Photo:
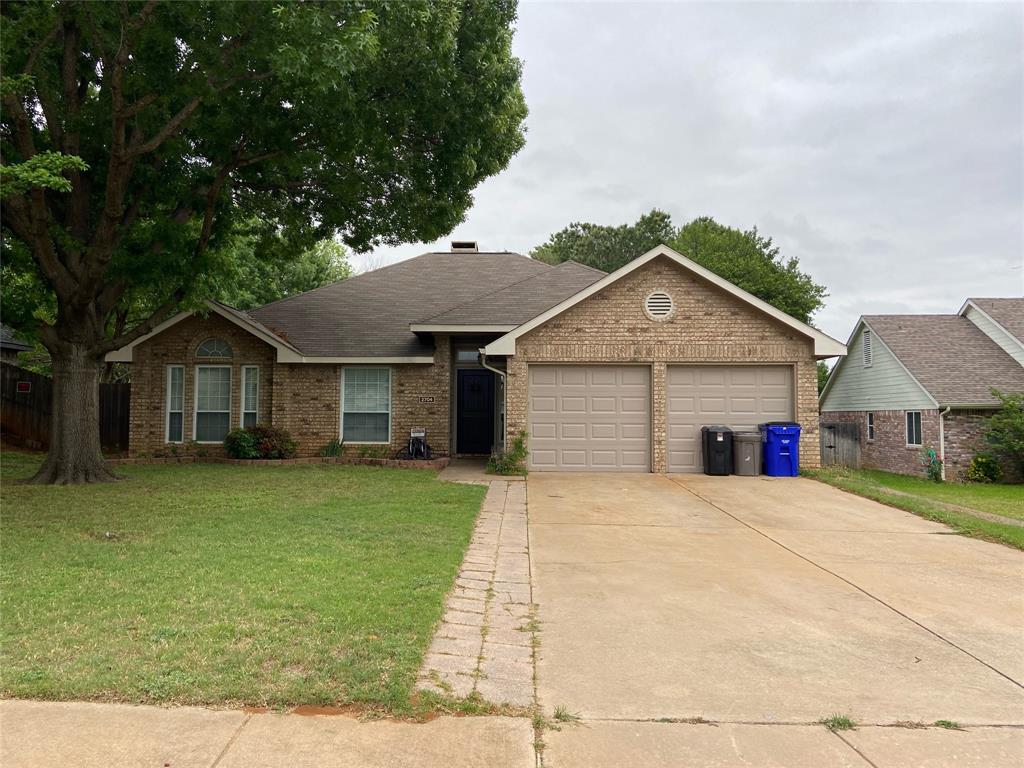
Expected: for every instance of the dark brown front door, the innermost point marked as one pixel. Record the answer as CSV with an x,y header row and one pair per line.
x,y
474,432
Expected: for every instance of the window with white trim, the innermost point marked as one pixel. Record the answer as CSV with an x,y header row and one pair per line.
x,y
866,344
250,395
175,403
913,428
871,425
366,405
214,348
213,403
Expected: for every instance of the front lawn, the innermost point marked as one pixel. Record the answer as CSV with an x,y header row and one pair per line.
x,y
233,585
958,505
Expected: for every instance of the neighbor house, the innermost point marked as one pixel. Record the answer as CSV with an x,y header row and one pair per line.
x,y
917,381
11,345
602,371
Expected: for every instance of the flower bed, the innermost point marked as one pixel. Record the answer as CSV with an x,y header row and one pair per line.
x,y
439,463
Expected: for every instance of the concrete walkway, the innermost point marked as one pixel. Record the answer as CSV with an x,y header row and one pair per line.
x,y
61,735
485,642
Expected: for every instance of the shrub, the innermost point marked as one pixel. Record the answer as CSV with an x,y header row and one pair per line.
x,y
333,449
932,464
260,442
511,461
1006,428
983,469
240,444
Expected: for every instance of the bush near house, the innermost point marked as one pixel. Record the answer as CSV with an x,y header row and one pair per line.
x,y
511,461
1006,428
260,442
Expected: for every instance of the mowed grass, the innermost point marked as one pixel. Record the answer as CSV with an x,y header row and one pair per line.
x,y
227,585
931,500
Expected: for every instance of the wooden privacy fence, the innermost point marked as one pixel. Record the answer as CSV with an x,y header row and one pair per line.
x,y
25,401
840,444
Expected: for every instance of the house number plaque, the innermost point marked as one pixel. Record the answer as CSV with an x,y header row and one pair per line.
x,y
426,398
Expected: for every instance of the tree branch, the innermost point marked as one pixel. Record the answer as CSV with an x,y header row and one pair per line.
x,y
162,313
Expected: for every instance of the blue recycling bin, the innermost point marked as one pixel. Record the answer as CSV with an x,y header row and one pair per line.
x,y
781,454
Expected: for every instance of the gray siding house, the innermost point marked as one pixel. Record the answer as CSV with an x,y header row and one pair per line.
x,y
917,381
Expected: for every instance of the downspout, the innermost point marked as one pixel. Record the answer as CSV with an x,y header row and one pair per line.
x,y
942,440
504,393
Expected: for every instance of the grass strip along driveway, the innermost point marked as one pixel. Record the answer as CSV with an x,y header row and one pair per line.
x,y
970,508
227,585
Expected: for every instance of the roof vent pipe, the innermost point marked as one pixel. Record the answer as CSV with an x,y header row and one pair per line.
x,y
464,246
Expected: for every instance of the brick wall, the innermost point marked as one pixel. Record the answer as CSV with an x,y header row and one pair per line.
x,y
708,325
177,346
304,399
889,450
965,438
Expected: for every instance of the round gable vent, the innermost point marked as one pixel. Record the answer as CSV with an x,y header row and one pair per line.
x,y
658,305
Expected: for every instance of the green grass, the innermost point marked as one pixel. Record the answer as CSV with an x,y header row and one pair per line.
x,y
839,723
227,585
926,499
951,725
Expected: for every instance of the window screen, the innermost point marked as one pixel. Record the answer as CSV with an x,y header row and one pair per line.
x,y
213,403
366,401
250,395
913,427
871,426
175,403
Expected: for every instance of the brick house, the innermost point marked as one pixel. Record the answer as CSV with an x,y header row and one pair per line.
x,y
917,381
602,371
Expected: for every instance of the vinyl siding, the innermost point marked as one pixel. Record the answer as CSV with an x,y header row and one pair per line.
x,y
1009,344
884,386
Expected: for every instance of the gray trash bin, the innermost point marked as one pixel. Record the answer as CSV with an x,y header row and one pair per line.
x,y
746,453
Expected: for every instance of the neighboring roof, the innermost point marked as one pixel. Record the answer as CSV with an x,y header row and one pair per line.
x,y
8,340
824,345
1009,313
370,314
948,355
515,304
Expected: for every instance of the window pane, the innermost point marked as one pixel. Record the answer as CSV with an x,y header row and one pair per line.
x,y
366,428
249,419
211,427
213,387
213,348
174,427
467,355
176,388
251,385
367,390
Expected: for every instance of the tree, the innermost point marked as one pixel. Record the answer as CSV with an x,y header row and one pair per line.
x,y
1005,429
603,247
745,258
823,374
135,137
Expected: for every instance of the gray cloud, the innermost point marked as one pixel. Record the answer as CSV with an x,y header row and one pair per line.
x,y
882,145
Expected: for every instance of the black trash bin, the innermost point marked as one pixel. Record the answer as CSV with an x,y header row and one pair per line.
x,y
716,448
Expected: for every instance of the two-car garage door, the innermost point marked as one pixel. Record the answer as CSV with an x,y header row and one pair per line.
x,y
598,417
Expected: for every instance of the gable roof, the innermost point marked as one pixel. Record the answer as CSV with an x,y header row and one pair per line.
x,y
369,315
9,340
514,304
949,356
1007,313
824,345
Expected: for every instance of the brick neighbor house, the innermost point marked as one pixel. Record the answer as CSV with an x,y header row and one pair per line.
x,y
914,381
602,371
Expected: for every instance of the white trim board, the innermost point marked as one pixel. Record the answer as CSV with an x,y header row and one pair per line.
x,y
824,345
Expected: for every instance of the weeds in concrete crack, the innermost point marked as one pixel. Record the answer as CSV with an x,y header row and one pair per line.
x,y
950,725
563,715
839,723
910,724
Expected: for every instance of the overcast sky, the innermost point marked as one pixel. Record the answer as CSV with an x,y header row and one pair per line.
x,y
879,144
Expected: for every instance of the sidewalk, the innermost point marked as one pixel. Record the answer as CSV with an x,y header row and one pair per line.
x,y
37,734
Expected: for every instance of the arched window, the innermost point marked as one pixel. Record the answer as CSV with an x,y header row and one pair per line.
x,y
214,348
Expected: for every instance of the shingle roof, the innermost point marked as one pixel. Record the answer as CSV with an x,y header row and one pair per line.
x,y
369,315
9,340
515,304
950,356
1009,313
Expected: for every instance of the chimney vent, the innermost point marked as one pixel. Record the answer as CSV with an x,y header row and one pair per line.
x,y
464,246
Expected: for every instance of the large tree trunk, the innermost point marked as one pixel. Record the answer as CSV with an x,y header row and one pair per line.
x,y
75,455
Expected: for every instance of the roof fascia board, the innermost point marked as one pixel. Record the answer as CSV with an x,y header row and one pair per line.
x,y
396,360
895,357
988,317
824,345
461,328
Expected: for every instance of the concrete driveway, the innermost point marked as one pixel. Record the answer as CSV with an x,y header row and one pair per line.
x,y
763,605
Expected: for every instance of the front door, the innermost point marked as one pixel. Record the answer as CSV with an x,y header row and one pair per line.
x,y
474,431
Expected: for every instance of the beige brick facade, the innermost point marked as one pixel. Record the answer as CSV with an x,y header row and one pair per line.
x,y
707,326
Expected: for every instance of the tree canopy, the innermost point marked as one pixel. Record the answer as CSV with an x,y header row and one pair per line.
x,y
746,258
138,138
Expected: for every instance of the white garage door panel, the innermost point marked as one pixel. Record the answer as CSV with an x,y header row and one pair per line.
x,y
738,396
590,418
